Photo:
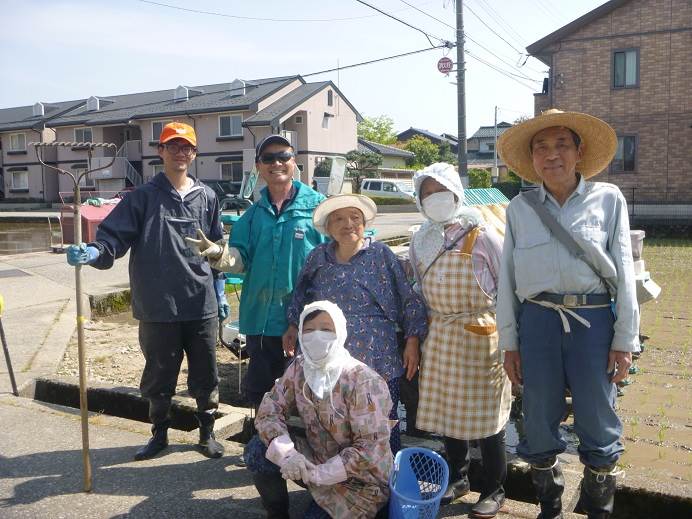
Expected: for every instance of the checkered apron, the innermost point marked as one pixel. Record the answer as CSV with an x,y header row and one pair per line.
x,y
464,392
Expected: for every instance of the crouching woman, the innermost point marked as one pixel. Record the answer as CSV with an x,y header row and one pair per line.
x,y
345,458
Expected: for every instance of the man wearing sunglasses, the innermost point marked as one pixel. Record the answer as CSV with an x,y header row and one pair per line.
x,y
269,243
175,294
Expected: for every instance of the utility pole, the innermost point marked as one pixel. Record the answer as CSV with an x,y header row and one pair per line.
x,y
461,96
495,174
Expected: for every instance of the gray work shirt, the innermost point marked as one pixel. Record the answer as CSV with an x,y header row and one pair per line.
x,y
534,261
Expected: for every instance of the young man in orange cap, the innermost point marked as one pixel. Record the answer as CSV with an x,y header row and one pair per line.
x,y
567,315
176,296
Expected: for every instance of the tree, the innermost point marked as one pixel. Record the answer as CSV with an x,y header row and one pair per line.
x,y
445,153
521,119
424,150
377,129
479,178
359,164
323,169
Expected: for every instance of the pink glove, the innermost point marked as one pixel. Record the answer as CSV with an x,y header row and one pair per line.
x,y
329,473
282,452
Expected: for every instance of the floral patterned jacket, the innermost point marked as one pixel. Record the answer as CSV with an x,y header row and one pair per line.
x,y
353,423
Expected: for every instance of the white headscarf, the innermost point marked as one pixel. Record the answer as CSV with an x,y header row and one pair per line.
x,y
322,375
430,238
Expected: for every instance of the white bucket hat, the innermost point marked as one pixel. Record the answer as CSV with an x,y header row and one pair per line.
x,y
331,204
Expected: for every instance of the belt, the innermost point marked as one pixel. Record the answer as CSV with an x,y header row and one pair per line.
x,y
562,304
573,300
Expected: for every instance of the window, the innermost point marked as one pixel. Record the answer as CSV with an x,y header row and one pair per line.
x,y
156,169
374,186
86,181
82,135
626,155
491,146
157,128
230,126
386,186
17,142
19,180
232,171
299,119
300,167
626,68
325,120
330,98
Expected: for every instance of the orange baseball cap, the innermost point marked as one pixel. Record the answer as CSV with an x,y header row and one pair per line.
x,y
178,131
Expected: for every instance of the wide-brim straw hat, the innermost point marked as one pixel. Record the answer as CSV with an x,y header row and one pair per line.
x,y
598,139
331,204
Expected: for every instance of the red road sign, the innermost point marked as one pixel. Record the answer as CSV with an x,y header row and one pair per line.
x,y
445,65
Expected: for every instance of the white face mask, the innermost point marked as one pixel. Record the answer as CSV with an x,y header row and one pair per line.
x,y
440,207
316,344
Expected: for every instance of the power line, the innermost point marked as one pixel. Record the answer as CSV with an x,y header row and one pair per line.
x,y
467,35
499,19
491,29
445,45
428,15
545,11
254,18
501,71
549,9
498,57
428,36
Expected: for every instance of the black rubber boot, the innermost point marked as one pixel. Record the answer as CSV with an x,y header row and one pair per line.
x,y
549,484
273,493
494,475
207,443
597,492
458,461
156,444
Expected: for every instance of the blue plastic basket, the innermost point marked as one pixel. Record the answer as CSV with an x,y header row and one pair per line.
x,y
417,483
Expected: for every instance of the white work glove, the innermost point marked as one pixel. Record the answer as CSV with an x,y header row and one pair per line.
x,y
293,465
329,473
296,467
205,247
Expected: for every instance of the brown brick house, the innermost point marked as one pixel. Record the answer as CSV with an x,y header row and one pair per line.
x,y
629,62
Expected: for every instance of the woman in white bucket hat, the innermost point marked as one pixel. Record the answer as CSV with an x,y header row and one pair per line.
x,y
366,280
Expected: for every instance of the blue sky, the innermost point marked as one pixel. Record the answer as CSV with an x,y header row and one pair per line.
x,y
55,50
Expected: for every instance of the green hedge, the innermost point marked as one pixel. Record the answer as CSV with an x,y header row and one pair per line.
x,y
509,189
380,200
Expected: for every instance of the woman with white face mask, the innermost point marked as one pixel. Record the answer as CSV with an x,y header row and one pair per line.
x,y
366,280
464,392
345,458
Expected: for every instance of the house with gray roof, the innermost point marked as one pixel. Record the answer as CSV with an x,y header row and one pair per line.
x,y
229,119
432,137
481,149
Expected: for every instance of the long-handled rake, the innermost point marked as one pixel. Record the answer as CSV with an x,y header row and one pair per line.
x,y
8,361
77,205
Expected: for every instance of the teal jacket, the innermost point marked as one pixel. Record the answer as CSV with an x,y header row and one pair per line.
x,y
274,249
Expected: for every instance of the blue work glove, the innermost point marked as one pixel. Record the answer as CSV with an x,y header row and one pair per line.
x,y
224,307
82,254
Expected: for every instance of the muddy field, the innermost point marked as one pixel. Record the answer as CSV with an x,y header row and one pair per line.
x,y
656,408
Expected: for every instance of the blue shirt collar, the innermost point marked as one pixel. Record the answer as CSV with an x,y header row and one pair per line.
x,y
581,185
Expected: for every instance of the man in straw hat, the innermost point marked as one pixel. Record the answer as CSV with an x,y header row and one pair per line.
x,y
567,315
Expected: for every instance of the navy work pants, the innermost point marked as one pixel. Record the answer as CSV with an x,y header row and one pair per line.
x,y
552,361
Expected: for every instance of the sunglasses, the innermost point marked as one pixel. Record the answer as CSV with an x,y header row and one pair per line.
x,y
271,158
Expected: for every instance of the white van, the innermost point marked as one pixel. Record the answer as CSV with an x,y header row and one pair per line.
x,y
387,188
